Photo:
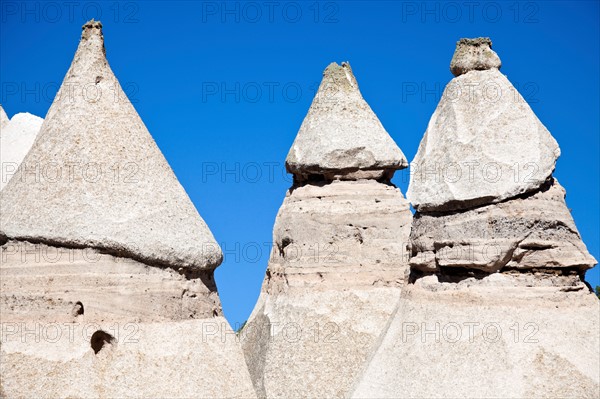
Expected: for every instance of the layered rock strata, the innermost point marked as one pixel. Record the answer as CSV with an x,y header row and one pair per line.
x,y
107,286
338,260
496,305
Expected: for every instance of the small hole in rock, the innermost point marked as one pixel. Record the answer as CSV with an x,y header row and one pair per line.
x,y
99,339
78,309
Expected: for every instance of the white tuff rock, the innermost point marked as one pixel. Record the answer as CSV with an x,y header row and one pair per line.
x,y
503,336
483,145
336,270
341,137
496,305
16,138
110,257
80,323
339,256
101,181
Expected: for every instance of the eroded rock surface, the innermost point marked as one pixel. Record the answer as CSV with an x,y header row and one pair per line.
x,y
501,336
339,256
80,323
474,55
334,277
483,145
95,177
341,137
107,286
536,231
496,305
476,222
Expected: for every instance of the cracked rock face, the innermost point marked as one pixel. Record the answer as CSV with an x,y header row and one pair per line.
x,y
523,233
483,145
341,137
95,177
16,138
474,55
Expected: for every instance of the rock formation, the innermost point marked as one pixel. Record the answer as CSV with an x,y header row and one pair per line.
x,y
95,177
341,137
16,138
474,55
496,305
461,163
107,285
338,259
3,119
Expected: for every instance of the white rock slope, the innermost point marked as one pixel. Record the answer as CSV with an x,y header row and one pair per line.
x,y
16,138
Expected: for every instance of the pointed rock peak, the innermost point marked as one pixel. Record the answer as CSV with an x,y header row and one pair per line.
x,y
340,77
3,118
474,55
92,37
91,28
95,178
341,137
482,145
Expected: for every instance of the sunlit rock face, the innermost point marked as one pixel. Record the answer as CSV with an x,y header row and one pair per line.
x,y
496,305
339,256
341,137
16,138
95,177
107,286
482,183
514,335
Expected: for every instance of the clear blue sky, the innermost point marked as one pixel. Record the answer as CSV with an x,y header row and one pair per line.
x,y
224,89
